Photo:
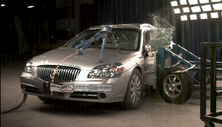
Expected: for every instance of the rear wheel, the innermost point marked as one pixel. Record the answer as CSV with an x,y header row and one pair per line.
x,y
134,94
175,88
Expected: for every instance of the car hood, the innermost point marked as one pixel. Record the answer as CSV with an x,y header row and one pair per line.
x,y
68,56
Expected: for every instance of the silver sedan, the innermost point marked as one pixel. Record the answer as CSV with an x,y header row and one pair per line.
x,y
66,74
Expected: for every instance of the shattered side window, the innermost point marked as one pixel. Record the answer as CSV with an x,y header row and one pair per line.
x,y
157,38
148,35
163,35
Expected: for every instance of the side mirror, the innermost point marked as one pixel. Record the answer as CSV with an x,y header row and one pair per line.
x,y
147,48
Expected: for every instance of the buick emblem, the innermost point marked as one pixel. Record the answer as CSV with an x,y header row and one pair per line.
x,y
50,75
55,76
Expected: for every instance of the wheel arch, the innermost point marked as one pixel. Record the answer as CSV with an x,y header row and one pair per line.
x,y
139,69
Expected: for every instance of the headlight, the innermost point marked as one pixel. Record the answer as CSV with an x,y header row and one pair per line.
x,y
107,71
28,66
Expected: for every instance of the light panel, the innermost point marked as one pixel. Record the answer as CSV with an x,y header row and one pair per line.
x,y
177,11
193,2
215,0
217,6
186,10
183,18
174,3
206,8
203,16
195,9
214,15
31,6
183,2
193,17
204,1
2,5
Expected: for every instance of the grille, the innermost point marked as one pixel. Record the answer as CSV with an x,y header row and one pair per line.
x,y
63,74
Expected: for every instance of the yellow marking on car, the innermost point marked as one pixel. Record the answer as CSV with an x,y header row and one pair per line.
x,y
53,74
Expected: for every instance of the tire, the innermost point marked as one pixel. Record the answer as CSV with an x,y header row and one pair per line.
x,y
209,124
134,93
175,88
45,100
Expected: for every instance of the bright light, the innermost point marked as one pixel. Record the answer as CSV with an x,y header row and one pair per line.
x,y
203,16
217,6
192,2
193,17
183,2
215,0
2,5
204,1
177,11
214,15
183,18
174,3
186,9
30,6
196,9
206,8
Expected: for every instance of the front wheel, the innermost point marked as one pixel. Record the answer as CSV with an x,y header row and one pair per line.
x,y
45,100
175,88
134,93
209,124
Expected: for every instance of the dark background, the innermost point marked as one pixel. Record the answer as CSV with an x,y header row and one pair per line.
x,y
31,31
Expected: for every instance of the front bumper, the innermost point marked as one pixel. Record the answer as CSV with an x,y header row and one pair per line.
x,y
88,90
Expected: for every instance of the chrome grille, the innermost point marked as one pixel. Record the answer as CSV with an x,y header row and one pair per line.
x,y
63,73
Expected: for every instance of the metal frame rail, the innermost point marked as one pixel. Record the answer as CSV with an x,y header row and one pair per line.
x,y
209,118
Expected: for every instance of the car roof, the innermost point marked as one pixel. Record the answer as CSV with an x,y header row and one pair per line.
x,y
131,26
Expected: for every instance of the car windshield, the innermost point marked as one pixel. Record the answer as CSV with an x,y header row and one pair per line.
x,y
127,39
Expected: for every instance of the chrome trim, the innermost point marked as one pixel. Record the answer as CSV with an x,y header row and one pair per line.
x,y
57,65
63,74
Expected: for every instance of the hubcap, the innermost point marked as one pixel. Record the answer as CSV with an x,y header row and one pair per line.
x,y
135,88
172,86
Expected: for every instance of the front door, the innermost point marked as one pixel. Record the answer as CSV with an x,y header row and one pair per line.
x,y
149,77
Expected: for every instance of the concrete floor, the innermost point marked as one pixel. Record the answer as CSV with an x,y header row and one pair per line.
x,y
154,112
